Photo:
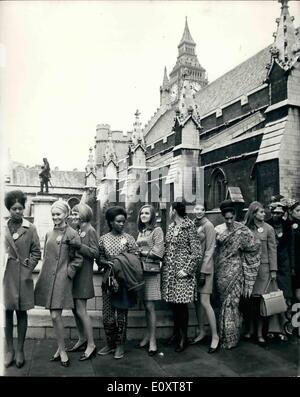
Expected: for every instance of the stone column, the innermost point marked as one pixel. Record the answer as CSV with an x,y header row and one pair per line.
x,y
41,212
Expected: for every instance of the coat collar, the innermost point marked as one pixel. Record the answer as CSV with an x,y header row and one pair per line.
x,y
186,222
22,229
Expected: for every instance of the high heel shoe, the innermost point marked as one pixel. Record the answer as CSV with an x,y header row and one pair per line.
x,y
9,359
261,342
152,353
213,349
55,358
197,341
65,363
20,359
182,345
138,346
79,348
85,357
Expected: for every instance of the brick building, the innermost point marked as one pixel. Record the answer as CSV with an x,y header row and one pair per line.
x,y
237,136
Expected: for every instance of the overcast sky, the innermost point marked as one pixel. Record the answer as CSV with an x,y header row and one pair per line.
x,y
67,66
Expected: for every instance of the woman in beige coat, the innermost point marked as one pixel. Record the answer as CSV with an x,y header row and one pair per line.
x,y
266,277
61,261
23,253
204,278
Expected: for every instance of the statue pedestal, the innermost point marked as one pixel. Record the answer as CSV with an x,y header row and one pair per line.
x,y
41,212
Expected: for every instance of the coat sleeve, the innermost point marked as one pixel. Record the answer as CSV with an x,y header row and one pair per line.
x,y
196,251
76,261
35,249
158,248
272,249
92,249
210,243
132,245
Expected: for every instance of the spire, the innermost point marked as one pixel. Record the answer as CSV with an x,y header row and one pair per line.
x,y
90,167
110,150
186,37
137,135
187,64
286,45
165,84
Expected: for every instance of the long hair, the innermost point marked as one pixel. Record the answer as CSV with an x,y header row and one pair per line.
x,y
152,221
252,210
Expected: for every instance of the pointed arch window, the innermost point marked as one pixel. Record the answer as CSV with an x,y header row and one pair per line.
x,y
218,187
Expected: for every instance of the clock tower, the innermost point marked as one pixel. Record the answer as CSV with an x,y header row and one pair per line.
x,y
187,69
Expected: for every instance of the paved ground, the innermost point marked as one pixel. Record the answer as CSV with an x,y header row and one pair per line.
x,y
279,359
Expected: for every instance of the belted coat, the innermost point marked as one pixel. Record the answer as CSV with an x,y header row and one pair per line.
x,y
53,289
17,280
183,252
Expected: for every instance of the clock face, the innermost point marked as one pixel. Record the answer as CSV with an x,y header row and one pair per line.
x,y
195,86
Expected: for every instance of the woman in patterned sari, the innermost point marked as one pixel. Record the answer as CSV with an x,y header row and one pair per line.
x,y
237,262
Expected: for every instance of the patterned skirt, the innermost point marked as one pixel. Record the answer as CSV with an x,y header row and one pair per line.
x,y
152,287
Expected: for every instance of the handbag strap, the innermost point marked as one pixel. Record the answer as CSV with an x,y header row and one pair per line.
x,y
269,282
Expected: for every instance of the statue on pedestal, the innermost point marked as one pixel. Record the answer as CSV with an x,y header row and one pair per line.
x,y
45,176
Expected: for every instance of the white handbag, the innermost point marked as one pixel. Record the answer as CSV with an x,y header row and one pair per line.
x,y
272,303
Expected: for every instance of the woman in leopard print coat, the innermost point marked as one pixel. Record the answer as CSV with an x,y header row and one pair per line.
x,y
182,255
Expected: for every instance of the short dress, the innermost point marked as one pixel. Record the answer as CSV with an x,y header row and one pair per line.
x,y
153,240
207,235
83,286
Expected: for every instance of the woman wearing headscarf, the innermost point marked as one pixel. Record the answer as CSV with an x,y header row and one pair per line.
x,y
115,306
83,287
61,261
182,256
236,264
266,276
204,278
23,252
151,243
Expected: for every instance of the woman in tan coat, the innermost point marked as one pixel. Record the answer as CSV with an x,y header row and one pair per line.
x,y
266,277
53,289
23,253
204,277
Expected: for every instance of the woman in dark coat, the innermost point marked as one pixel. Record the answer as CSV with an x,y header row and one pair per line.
x,y
284,278
182,255
61,261
83,287
23,253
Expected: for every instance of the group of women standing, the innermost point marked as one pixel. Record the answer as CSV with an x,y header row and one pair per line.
x,y
234,261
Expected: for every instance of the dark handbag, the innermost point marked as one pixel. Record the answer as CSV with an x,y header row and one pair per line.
x,y
110,283
272,303
150,265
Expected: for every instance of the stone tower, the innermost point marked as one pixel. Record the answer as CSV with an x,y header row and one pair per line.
x,y
187,67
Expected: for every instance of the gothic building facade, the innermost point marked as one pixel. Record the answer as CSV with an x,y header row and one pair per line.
x,y
237,137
